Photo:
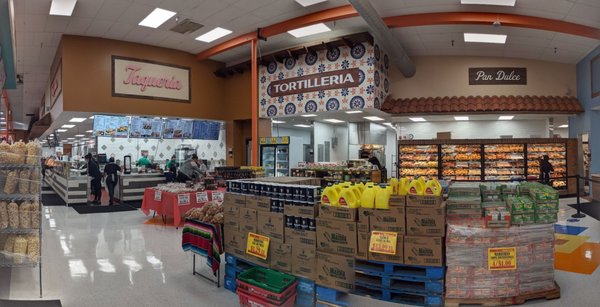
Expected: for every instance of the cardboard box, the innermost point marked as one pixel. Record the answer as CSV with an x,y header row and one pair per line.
x,y
272,225
392,219
301,238
235,243
429,201
259,203
337,237
304,262
231,216
281,257
397,258
398,200
362,245
309,212
234,199
447,135
335,271
364,219
338,213
426,221
247,220
426,251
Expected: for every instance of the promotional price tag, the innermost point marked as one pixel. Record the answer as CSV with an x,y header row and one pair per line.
x,y
257,245
383,242
201,197
218,196
157,195
502,259
183,199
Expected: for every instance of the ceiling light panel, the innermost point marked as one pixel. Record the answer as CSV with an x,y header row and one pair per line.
x,y
306,3
61,130
490,2
309,30
354,112
333,120
77,119
156,18
461,118
417,119
213,34
563,126
303,126
373,118
485,38
67,126
506,117
308,115
278,122
62,7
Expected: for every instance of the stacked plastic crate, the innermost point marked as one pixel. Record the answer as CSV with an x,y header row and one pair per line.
x,y
265,287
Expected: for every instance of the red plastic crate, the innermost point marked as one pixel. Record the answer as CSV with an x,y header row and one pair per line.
x,y
248,300
272,297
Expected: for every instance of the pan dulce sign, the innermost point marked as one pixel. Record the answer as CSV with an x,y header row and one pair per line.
x,y
143,79
497,75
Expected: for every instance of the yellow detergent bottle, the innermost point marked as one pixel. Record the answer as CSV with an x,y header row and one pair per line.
x,y
382,199
433,187
348,198
393,182
330,196
338,187
416,187
361,186
403,186
423,179
357,193
367,199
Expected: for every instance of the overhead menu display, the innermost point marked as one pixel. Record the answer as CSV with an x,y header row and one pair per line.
x,y
206,130
108,125
178,129
145,127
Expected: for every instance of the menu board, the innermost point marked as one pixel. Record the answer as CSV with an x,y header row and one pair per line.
x,y
145,127
178,129
206,130
108,125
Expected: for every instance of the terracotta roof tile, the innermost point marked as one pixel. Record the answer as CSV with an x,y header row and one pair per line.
x,y
483,104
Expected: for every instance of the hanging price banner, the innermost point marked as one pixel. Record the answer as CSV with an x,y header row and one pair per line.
x,y
183,199
502,259
201,197
257,245
218,196
383,242
157,195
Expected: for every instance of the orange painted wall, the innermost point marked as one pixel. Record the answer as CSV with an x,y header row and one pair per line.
x,y
237,96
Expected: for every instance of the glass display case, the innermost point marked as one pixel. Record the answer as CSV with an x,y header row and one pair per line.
x,y
504,161
557,153
461,162
419,160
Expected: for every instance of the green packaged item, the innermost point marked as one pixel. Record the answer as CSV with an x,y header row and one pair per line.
x,y
461,189
520,204
543,192
547,206
493,204
545,218
523,219
463,202
267,279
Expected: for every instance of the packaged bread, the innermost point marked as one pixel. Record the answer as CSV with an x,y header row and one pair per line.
x,y
9,244
24,181
34,184
5,153
11,182
3,215
19,149
20,249
35,215
25,215
33,247
34,151
13,215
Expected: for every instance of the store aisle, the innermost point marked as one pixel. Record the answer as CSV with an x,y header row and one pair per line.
x,y
115,259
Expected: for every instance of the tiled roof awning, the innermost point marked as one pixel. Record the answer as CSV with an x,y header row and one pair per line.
x,y
483,104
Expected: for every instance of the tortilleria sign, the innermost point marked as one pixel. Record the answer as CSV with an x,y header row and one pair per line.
x,y
143,79
497,75
336,79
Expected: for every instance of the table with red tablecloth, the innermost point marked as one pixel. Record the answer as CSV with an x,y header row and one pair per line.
x,y
168,205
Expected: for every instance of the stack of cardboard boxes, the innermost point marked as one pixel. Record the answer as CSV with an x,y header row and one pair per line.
x,y
425,229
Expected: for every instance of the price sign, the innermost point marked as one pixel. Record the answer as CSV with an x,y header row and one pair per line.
x,y
502,259
218,196
383,242
201,197
157,195
183,199
257,245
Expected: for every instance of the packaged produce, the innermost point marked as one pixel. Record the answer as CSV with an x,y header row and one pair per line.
x,y
11,182
33,247
3,215
19,149
24,181
13,215
211,212
20,249
34,151
25,215
9,244
34,184
35,215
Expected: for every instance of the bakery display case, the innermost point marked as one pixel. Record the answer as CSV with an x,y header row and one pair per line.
x,y
557,153
461,162
504,161
419,160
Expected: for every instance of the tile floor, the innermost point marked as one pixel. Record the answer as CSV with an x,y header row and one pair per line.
x,y
116,259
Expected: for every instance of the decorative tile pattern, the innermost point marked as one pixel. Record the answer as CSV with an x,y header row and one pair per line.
x,y
566,244
583,260
568,230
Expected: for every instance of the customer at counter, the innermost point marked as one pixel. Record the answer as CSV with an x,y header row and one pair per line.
x,y
111,170
93,170
190,169
171,169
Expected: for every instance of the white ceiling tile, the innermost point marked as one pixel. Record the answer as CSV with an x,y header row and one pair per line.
x,y
35,23
206,10
135,13
280,8
119,30
251,5
153,3
99,27
245,22
594,3
87,8
179,6
112,9
223,17
78,25
46,39
36,6
56,23
584,14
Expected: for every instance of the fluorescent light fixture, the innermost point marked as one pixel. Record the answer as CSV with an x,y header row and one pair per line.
x,y
373,118
70,138
490,2
302,126
213,34
92,117
62,7
461,118
485,38
51,134
563,126
354,112
506,117
333,120
67,126
77,119
156,18
79,135
389,124
309,30
306,3
308,115
417,119
61,130
278,122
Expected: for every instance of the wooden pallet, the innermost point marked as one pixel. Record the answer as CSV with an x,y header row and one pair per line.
x,y
506,301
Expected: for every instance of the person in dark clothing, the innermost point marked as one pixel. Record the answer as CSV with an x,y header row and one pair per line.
x,y
545,169
373,160
111,171
93,170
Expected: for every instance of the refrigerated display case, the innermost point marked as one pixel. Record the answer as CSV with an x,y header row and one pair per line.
x,y
504,161
419,160
558,158
461,162
275,156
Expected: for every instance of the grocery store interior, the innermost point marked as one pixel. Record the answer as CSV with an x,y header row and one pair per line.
x,y
299,152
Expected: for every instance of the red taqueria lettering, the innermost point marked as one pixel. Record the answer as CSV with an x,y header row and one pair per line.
x,y
135,78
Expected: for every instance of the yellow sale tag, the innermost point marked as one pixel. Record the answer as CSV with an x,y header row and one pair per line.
x,y
285,140
263,140
383,242
502,258
257,245
273,141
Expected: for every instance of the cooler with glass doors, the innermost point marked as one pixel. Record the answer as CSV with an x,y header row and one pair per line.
x,y
275,156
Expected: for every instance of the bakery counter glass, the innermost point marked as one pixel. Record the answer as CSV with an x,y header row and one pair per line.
x,y
71,187
132,186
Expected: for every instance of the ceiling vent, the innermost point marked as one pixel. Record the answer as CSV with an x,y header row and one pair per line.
x,y
186,26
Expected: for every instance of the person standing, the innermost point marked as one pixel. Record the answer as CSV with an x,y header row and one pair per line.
x,y
93,170
143,161
189,169
545,169
111,170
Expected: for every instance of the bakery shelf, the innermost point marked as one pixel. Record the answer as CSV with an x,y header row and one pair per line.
x,y
19,231
4,166
19,197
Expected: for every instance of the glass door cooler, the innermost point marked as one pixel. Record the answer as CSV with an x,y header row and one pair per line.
x,y
282,160
267,159
274,156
